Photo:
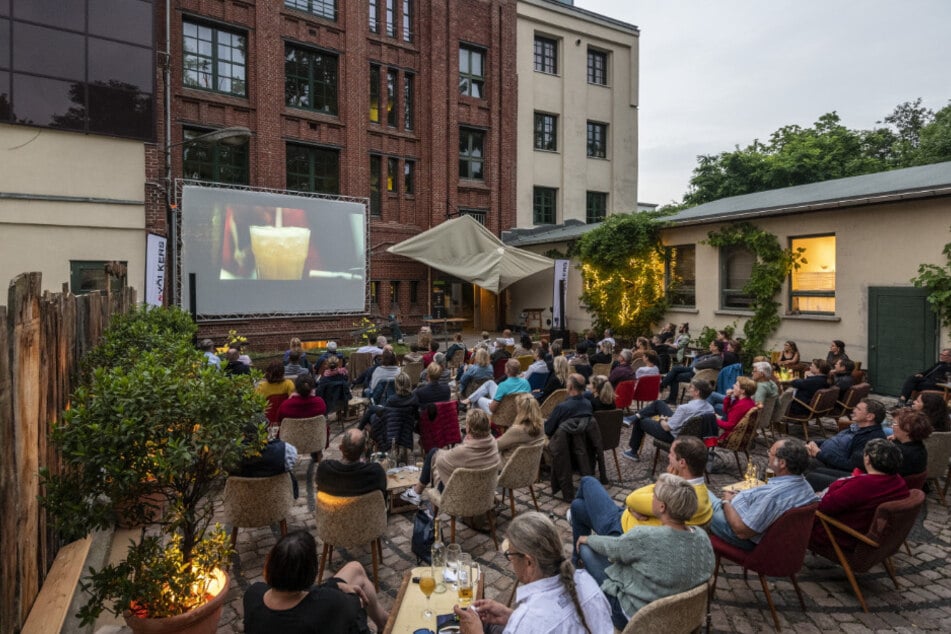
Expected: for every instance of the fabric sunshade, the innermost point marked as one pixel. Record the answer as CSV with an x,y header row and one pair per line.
x,y
464,248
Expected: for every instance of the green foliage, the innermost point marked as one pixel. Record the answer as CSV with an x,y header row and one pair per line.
x,y
937,279
771,267
910,135
151,437
708,334
622,263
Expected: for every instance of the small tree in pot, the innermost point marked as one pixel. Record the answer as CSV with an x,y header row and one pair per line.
x,y
154,437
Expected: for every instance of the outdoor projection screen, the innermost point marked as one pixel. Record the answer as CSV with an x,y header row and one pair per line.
x,y
270,253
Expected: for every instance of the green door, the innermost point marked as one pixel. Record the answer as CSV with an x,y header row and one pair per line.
x,y
902,336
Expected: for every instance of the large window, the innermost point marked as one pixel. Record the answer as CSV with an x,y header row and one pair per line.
x,y
546,131
736,266
680,275
215,59
597,67
313,169
310,79
409,177
812,286
214,162
597,139
596,206
374,16
546,55
376,178
323,8
471,154
408,14
391,18
471,71
543,205
374,93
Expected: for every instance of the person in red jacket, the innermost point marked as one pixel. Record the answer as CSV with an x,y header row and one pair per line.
x,y
303,404
738,401
853,500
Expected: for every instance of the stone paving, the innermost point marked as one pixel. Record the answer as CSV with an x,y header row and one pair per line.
x,y
924,602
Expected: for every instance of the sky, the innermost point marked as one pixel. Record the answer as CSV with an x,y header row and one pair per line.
x,y
715,74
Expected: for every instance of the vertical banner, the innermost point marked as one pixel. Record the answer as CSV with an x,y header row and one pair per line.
x,y
156,265
558,317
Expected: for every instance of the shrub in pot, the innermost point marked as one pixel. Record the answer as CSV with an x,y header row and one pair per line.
x,y
164,425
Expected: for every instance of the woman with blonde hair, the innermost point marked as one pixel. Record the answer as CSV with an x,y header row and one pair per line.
x,y
557,380
525,430
600,393
551,596
480,368
298,347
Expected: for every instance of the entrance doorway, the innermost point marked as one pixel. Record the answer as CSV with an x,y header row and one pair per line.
x,y
902,336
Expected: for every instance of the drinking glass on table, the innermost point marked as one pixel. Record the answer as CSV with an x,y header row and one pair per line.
x,y
427,583
464,580
453,553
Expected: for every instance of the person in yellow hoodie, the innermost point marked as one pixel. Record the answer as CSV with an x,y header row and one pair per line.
x,y
593,509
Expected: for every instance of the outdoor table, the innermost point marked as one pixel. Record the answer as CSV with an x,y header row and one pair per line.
x,y
743,485
406,615
445,321
397,481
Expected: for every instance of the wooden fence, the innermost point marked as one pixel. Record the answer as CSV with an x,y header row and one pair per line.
x,y
42,338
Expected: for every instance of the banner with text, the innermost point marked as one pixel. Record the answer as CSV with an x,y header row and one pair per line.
x,y
558,292
156,264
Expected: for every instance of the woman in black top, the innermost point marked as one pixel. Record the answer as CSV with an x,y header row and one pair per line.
x,y
935,409
289,603
600,393
816,379
836,352
909,432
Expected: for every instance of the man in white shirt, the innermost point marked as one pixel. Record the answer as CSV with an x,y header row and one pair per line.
x,y
374,350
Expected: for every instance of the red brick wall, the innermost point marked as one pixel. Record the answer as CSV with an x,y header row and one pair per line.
x,y
432,57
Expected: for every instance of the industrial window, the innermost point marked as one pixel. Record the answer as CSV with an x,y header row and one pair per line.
x,y
546,131
471,71
391,18
546,55
471,154
543,206
374,93
812,285
680,275
392,112
392,174
409,177
408,12
213,162
313,169
214,59
310,79
409,99
596,207
736,266
374,16
323,8
376,176
597,139
597,67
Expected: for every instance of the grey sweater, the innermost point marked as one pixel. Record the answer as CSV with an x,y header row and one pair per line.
x,y
652,562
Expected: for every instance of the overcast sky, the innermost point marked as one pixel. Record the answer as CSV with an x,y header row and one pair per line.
x,y
719,73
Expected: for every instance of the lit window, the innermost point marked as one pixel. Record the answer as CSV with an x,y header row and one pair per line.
x,y
392,174
546,131
214,59
680,275
471,155
543,206
597,140
310,79
546,55
374,93
736,266
596,207
812,286
471,71
597,67
376,176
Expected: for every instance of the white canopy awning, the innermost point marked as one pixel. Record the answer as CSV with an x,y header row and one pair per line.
x,y
464,248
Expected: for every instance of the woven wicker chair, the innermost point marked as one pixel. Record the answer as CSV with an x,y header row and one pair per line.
x,y
414,370
938,445
504,414
524,361
821,405
469,492
521,471
889,529
349,522
308,435
358,363
708,374
677,614
458,358
742,437
602,369
253,502
472,386
552,401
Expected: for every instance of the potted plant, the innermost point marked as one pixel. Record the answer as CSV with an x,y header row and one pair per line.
x,y
161,425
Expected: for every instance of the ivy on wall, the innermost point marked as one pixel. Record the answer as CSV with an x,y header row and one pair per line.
x,y
771,266
622,264
937,279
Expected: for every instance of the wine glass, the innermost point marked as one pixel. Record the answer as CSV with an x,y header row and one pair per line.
x,y
427,583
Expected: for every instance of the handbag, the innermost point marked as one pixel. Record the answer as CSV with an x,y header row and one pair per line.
x,y
423,536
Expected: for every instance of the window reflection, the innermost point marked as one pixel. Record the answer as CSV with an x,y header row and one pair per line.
x,y
127,20
114,109
37,49
68,15
6,113
40,101
111,61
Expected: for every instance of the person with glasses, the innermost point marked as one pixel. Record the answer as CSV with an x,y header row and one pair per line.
x,y
552,597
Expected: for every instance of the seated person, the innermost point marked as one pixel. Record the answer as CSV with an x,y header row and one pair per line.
x,y
816,378
557,379
642,345
836,352
276,457
927,379
605,354
293,367
302,403
433,349
376,349
334,371
488,396
669,423
623,370
289,602
298,347
551,596
234,365
393,422
593,509
524,346
737,402
789,357
423,339
836,457
432,391
711,361
538,365
579,360
742,518
853,500
841,376
386,371
477,450
651,562
526,429
908,433
766,387
351,476
600,393
576,405
331,353
935,409
479,369
650,367
274,382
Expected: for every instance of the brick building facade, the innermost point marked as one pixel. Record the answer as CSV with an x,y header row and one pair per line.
x,y
371,87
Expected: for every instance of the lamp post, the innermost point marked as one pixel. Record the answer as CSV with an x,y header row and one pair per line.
x,y
233,135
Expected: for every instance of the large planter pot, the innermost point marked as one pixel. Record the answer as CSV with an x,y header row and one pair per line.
x,y
202,620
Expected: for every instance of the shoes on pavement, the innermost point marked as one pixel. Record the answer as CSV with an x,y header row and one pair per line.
x,y
630,455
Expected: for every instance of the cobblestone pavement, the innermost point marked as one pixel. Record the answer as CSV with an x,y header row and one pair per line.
x,y
924,602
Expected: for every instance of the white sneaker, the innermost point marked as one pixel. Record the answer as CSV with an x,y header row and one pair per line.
x,y
411,496
568,516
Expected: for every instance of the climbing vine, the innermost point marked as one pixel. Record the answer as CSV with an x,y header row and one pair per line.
x,y
771,266
937,279
622,264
